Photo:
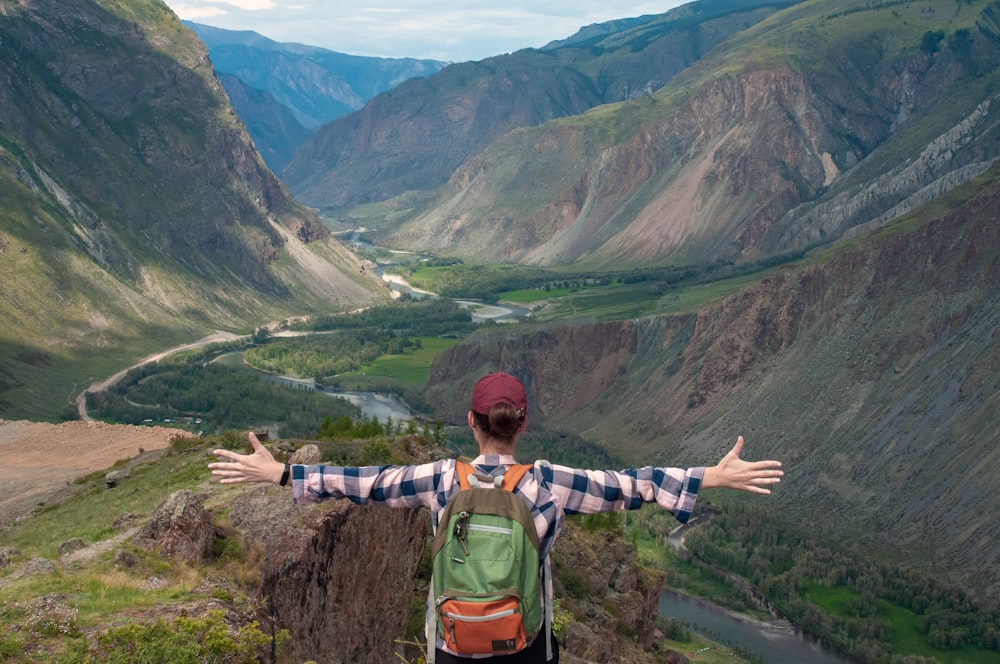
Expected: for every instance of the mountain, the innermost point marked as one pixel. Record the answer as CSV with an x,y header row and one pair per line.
x,y
136,212
313,84
275,130
415,136
815,121
869,369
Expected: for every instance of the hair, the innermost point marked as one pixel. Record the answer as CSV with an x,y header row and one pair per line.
x,y
503,422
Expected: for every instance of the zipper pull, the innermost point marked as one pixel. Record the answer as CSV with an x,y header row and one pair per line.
x,y
462,531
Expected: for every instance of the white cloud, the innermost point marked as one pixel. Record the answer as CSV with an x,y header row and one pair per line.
x,y
444,29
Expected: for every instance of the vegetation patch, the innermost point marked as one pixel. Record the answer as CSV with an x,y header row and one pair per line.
x,y
413,364
866,608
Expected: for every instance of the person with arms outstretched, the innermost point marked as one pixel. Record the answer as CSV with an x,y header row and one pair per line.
x,y
497,417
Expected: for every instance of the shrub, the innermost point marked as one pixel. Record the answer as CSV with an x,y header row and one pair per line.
x,y
185,640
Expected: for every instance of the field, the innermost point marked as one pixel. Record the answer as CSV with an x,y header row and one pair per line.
x,y
410,367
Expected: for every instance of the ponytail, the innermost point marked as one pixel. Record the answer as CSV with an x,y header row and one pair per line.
x,y
503,423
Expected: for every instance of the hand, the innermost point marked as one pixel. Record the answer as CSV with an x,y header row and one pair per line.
x,y
735,473
260,466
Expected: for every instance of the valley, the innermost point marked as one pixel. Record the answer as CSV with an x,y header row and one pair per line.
x,y
769,219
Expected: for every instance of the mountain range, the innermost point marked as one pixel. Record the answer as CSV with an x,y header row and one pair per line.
x,y
719,131
286,91
854,144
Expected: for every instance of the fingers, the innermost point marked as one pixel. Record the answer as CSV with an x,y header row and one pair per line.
x,y
227,454
254,442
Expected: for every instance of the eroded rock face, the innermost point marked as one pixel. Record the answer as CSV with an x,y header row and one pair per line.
x,y
338,576
179,528
620,606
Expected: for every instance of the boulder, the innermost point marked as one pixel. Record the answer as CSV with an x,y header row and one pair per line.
x,y
71,545
338,576
180,528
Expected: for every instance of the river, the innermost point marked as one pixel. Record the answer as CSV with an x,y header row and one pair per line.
x,y
770,642
372,404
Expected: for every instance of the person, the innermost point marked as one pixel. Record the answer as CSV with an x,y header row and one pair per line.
x,y
497,417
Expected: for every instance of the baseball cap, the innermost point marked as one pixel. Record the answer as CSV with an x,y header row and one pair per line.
x,y
499,387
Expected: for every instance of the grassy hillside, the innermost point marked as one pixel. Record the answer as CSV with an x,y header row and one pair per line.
x,y
137,214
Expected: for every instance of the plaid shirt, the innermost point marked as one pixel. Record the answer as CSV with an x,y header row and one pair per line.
x,y
551,491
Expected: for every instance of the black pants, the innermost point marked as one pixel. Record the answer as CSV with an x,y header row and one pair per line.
x,y
533,654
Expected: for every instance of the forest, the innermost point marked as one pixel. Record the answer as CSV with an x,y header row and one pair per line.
x,y
214,398
855,602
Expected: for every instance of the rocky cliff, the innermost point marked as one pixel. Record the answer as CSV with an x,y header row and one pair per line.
x,y
340,578
824,120
868,370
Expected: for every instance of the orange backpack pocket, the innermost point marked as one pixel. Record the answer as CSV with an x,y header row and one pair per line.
x,y
491,627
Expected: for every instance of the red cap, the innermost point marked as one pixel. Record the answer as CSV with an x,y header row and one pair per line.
x,y
497,387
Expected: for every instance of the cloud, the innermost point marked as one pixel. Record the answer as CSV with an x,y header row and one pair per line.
x,y
451,30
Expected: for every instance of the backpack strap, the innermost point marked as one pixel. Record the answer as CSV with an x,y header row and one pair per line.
x,y
468,478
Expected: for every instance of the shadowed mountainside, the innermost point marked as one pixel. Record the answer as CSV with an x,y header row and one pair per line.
x,y
136,213
267,80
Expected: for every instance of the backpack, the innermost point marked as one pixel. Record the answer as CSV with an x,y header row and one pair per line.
x,y
486,581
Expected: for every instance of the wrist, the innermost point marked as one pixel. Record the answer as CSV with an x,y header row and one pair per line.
x,y
286,472
709,479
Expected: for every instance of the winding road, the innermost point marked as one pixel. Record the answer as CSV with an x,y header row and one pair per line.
x,y
100,386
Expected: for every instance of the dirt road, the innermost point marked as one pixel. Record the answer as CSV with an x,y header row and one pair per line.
x,y
100,386
39,461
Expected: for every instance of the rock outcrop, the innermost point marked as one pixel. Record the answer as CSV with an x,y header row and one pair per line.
x,y
339,577
180,528
615,601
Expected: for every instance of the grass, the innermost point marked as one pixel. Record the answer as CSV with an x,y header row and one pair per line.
x,y
627,301
529,295
42,614
90,512
412,367
833,599
906,638
700,650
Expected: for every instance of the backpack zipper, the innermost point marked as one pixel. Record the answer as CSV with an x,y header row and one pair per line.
x,y
490,529
493,616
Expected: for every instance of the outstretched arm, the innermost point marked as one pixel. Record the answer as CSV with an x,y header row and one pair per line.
x,y
260,466
732,472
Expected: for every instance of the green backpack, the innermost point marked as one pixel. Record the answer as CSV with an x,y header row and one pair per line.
x,y
486,582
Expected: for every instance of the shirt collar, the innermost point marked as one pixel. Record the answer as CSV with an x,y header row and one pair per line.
x,y
494,460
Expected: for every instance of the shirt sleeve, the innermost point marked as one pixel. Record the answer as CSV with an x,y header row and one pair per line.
x,y
393,486
581,491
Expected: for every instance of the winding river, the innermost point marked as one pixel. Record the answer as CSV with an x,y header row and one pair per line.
x,y
771,642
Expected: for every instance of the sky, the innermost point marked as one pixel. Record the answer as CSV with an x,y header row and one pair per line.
x,y
449,30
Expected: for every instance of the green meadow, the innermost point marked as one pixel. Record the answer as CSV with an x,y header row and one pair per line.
x,y
905,637
412,367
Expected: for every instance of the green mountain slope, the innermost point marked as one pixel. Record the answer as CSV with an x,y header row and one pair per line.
x,y
415,136
135,208
826,117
